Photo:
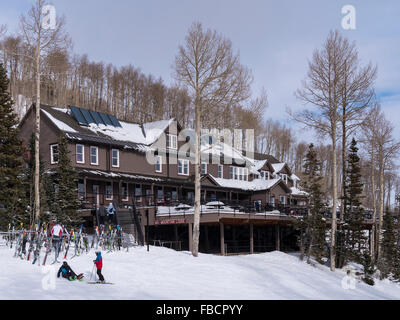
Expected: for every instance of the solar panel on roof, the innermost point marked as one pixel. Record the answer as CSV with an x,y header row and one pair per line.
x,y
106,119
95,115
87,116
78,116
114,120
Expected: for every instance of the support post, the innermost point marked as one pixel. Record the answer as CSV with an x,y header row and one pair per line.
x,y
147,229
278,237
251,238
222,237
176,232
190,236
206,236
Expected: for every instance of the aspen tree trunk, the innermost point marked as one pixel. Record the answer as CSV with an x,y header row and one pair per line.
x,y
197,187
344,133
334,197
37,133
381,199
373,233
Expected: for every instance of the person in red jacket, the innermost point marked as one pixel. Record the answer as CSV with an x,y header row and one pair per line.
x,y
99,265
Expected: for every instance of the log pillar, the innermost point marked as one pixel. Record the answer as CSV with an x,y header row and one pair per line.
x,y
190,225
207,240
222,237
277,238
176,232
251,238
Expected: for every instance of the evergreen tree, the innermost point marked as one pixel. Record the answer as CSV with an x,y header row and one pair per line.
x,y
65,191
11,152
313,226
369,268
354,240
389,263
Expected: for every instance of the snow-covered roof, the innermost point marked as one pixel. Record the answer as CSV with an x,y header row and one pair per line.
x,y
278,166
129,132
59,124
294,177
228,151
119,175
255,185
258,164
133,132
298,192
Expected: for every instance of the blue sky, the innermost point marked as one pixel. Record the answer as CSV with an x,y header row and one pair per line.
x,y
275,38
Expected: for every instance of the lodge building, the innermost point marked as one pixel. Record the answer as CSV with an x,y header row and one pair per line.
x,y
248,202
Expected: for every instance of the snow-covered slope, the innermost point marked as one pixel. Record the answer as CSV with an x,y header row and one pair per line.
x,y
166,274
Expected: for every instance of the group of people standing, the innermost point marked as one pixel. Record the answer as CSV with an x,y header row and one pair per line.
x,y
65,270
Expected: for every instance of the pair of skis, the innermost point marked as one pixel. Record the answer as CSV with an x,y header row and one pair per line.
x,y
71,234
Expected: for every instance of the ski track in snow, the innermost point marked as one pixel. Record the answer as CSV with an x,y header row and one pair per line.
x,y
166,274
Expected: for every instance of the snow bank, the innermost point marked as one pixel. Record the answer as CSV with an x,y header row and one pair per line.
x,y
170,275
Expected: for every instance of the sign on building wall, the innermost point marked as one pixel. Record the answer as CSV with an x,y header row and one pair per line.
x,y
170,221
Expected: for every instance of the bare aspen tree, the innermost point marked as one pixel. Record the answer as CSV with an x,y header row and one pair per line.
x,y
322,90
42,38
379,132
216,80
3,30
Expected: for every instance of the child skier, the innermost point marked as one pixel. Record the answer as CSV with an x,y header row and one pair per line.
x,y
99,265
68,273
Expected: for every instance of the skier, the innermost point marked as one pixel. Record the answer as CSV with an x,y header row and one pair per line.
x,y
110,212
67,273
99,265
56,234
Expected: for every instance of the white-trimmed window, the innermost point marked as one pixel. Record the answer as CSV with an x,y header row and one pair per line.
x,y
220,171
115,158
109,191
80,153
284,177
203,168
54,153
245,174
282,199
183,167
172,141
94,155
138,193
158,163
264,175
239,173
124,191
